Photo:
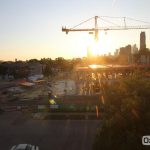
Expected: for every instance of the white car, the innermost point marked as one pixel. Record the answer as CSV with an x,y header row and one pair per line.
x,y
25,147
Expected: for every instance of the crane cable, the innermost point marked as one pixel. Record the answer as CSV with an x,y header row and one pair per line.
x,y
82,23
138,20
109,22
102,18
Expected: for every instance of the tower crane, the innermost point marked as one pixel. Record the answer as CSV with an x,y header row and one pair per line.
x,y
95,30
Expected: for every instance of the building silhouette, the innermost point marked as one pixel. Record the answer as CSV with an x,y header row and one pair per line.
x,y
116,53
142,41
125,54
134,49
143,55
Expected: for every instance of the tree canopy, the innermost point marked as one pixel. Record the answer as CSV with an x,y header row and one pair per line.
x,y
127,115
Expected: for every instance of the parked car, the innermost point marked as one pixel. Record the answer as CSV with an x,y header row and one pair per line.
x,y
24,147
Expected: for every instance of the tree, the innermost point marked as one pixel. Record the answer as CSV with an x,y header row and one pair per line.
x,y
127,115
33,61
48,64
3,70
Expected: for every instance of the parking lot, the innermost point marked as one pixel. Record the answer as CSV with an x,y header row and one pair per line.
x,y
16,128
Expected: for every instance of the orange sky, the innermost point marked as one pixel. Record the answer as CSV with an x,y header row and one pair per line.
x,y
32,28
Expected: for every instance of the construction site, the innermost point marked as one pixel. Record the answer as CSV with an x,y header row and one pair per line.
x,y
70,105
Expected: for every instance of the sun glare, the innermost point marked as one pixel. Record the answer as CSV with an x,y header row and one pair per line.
x,y
87,44
100,47
93,66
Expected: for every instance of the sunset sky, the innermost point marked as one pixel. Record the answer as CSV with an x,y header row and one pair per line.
x,y
32,28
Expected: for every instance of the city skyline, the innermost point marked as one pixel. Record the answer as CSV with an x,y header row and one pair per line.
x,y
32,29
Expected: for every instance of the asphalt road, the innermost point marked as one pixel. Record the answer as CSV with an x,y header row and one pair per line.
x,y
17,128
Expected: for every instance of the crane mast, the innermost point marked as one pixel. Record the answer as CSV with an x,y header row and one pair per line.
x,y
96,28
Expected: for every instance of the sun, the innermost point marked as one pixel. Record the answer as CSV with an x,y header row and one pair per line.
x,y
102,46
95,48
87,46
